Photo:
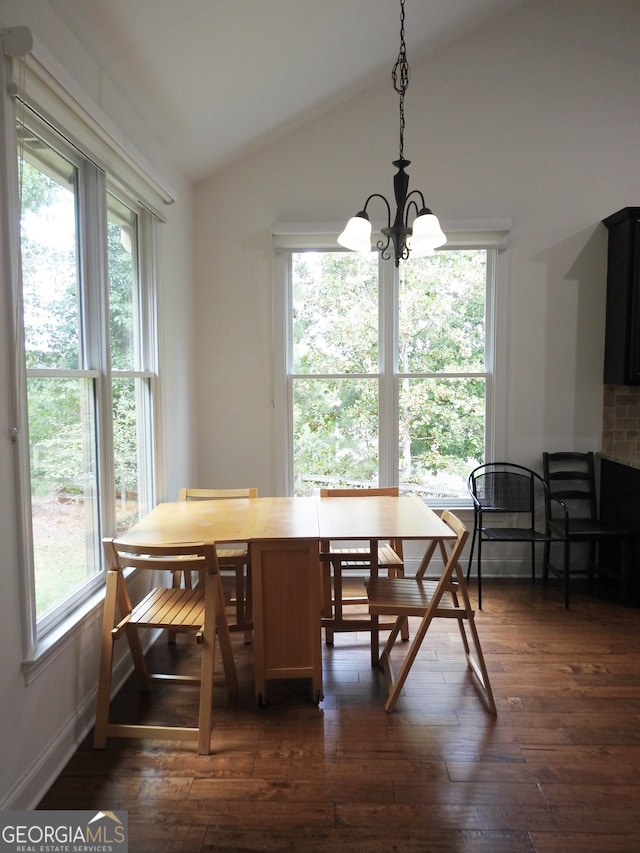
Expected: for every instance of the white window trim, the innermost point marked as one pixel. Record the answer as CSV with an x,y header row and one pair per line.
x,y
39,78
483,234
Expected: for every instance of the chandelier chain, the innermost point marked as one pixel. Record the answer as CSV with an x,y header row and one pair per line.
x,y
413,229
400,76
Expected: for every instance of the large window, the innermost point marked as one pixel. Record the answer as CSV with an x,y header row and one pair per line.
x,y
389,372
87,322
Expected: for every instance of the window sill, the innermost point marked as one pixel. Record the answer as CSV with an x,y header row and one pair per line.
x,y
65,634
57,641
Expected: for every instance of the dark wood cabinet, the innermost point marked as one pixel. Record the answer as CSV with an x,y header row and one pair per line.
x,y
622,338
620,506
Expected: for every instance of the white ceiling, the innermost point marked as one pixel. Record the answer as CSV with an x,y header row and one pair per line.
x,y
217,78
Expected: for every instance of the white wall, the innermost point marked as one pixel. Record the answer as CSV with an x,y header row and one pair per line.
x,y
42,723
534,118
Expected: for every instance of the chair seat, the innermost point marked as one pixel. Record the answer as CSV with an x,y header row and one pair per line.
x,y
409,595
354,558
588,528
170,608
517,534
232,555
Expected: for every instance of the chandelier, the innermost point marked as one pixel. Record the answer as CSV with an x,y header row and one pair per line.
x,y
425,234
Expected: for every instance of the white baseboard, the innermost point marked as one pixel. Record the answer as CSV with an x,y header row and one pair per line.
x,y
36,780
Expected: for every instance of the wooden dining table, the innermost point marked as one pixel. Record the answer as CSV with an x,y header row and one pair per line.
x,y
284,536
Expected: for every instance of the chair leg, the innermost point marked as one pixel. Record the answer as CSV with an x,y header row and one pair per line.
x,y
205,713
103,700
133,637
591,565
333,589
625,591
375,640
414,648
473,542
476,664
533,563
248,604
404,631
239,595
337,593
327,606
546,559
566,573
226,651
480,572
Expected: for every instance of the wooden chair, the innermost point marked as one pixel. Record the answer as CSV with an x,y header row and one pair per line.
x,y
339,559
234,558
444,597
571,478
200,611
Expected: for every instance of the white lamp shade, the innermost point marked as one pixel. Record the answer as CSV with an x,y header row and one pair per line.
x,y
426,235
357,235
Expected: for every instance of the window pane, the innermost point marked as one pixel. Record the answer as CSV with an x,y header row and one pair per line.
x,y
63,486
335,313
131,442
49,257
442,313
442,430
122,230
335,433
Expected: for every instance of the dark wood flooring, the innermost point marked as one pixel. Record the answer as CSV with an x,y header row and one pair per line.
x,y
557,770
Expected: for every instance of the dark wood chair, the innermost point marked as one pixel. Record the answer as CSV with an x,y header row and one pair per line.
x,y
570,477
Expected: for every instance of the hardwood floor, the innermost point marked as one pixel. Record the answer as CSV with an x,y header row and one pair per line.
x,y
557,770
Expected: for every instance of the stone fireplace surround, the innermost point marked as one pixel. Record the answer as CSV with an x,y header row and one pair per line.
x,y
621,424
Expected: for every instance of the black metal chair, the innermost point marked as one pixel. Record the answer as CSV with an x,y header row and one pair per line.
x,y
521,495
570,477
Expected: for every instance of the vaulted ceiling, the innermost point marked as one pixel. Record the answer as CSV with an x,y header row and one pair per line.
x,y
217,78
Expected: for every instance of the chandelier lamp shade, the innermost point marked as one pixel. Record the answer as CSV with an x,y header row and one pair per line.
x,y
424,234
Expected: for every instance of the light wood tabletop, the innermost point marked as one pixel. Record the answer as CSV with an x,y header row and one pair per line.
x,y
379,518
259,519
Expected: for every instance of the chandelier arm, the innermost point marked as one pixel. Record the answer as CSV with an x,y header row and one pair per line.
x,y
382,245
411,202
378,195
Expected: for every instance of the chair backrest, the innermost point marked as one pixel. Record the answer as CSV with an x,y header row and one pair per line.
x,y
383,491
195,556
570,477
450,549
389,491
215,494
505,487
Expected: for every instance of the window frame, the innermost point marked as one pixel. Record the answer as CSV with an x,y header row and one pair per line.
x,y
37,94
290,238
